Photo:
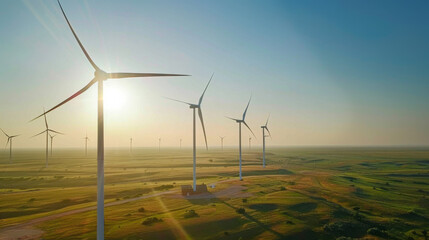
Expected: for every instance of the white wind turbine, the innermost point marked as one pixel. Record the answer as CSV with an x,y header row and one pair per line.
x,y
52,141
86,144
221,142
159,144
250,143
47,131
131,145
9,141
99,77
200,114
240,121
265,127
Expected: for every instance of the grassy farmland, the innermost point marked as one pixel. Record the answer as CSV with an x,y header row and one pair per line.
x,y
304,193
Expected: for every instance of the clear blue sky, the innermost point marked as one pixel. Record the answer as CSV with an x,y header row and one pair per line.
x,y
329,72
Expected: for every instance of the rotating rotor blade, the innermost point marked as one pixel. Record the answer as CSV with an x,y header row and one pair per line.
x,y
200,114
8,139
50,130
15,136
249,129
190,104
40,133
46,121
268,132
202,95
4,132
267,120
133,75
78,41
233,118
68,99
245,111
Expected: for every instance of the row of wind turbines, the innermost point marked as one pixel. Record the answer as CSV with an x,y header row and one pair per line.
x,y
99,77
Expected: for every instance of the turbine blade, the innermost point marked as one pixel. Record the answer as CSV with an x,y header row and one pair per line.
x,y
39,133
78,41
233,118
8,139
249,129
4,132
200,114
55,131
15,136
267,120
245,111
268,132
201,98
68,99
46,121
190,104
133,75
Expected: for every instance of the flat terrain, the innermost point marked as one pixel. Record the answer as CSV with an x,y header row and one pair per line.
x,y
303,193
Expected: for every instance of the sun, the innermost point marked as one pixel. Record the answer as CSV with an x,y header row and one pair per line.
x,y
114,98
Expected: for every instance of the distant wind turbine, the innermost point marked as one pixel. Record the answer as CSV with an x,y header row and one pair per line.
x,y
99,77
52,141
240,121
159,144
47,131
221,142
200,114
250,143
131,145
9,141
180,143
265,127
86,144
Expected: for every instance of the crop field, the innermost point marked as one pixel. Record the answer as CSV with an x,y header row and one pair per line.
x,y
303,193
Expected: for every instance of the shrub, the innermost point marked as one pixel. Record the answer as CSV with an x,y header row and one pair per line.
x,y
141,209
151,220
377,232
190,214
356,208
282,188
31,200
241,210
289,222
226,233
244,200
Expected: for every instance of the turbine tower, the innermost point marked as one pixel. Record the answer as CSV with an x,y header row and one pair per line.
x,y
99,77
131,145
52,140
159,144
263,140
86,144
180,143
221,142
240,121
47,131
9,141
200,114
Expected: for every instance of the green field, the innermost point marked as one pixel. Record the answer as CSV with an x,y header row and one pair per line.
x,y
304,193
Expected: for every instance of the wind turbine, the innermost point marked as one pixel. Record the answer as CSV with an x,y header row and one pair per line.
x,y
99,77
52,140
250,143
240,121
200,114
86,144
221,142
180,143
159,144
9,141
131,145
47,131
265,127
